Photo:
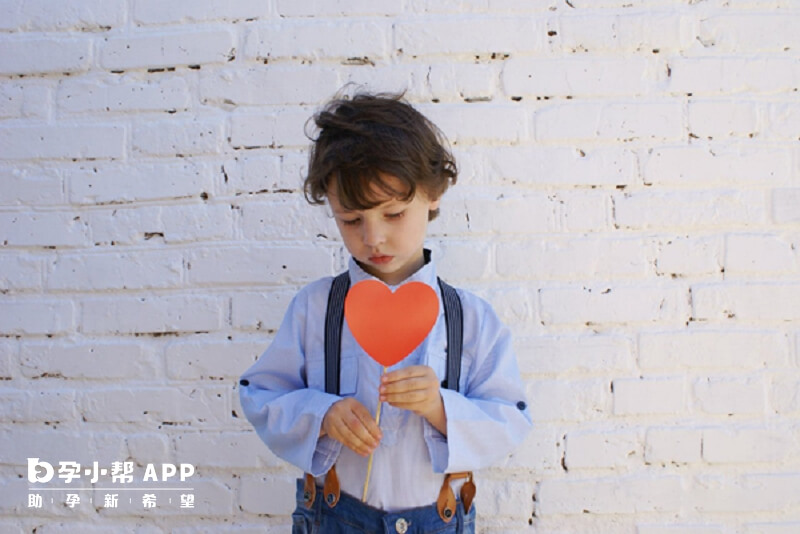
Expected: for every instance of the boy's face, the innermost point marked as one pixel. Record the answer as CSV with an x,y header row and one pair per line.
x,y
387,239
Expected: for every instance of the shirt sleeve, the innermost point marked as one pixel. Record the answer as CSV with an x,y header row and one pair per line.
x,y
489,417
274,394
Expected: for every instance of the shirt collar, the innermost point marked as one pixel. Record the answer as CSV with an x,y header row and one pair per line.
x,y
426,274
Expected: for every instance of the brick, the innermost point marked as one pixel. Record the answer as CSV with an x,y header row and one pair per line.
x,y
257,265
611,305
505,497
267,85
49,407
599,450
753,493
784,391
680,257
41,15
782,121
550,259
174,405
187,11
318,39
760,255
333,8
584,211
25,98
731,396
772,528
754,32
457,35
256,174
748,445
514,305
617,33
786,206
573,400
119,183
159,49
43,229
511,215
282,128
649,396
118,270
123,94
674,446
31,185
152,314
679,529
56,444
20,273
62,141
570,355
463,260
629,494
729,209
178,137
746,302
579,77
716,119
285,219
478,123
37,317
43,55
157,224
149,447
9,356
198,358
540,451
587,121
722,164
715,349
456,82
91,359
712,76
259,311
563,166
273,495
228,450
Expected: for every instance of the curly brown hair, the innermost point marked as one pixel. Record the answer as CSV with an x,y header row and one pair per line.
x,y
369,135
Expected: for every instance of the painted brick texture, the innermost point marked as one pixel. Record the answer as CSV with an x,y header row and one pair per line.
x,y
628,200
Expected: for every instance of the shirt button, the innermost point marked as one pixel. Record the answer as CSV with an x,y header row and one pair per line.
x,y
521,405
401,526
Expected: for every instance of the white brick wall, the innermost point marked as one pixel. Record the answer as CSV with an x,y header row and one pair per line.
x,y
629,201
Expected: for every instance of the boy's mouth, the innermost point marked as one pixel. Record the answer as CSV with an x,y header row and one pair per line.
x,y
380,259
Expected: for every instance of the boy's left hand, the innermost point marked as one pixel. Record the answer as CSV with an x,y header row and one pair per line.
x,y
416,388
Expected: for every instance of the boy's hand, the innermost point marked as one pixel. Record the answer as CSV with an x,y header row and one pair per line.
x,y
350,423
416,388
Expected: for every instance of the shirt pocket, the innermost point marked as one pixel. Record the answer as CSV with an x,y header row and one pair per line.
x,y
348,376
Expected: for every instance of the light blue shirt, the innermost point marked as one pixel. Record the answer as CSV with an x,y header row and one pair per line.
x,y
283,396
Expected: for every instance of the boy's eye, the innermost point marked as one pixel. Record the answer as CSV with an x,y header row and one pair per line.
x,y
395,215
351,222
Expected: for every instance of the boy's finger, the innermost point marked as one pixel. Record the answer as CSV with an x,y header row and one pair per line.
x,y
406,373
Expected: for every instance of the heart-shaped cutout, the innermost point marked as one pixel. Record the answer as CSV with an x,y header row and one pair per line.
x,y
389,326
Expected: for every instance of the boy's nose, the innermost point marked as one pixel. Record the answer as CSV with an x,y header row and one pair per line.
x,y
373,234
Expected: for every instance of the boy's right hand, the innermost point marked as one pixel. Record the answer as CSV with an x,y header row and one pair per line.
x,y
351,424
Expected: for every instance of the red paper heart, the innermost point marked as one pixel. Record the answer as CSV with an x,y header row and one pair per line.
x,y
389,326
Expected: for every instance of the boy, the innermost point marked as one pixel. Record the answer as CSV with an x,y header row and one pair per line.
x,y
383,167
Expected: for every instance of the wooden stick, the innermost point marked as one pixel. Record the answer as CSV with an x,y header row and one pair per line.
x,y
369,463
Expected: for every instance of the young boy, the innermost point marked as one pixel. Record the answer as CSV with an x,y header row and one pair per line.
x,y
383,168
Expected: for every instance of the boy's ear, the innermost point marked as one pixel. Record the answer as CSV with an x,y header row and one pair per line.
x,y
435,204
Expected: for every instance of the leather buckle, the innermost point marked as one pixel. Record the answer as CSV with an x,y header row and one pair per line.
x,y
446,503
331,488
